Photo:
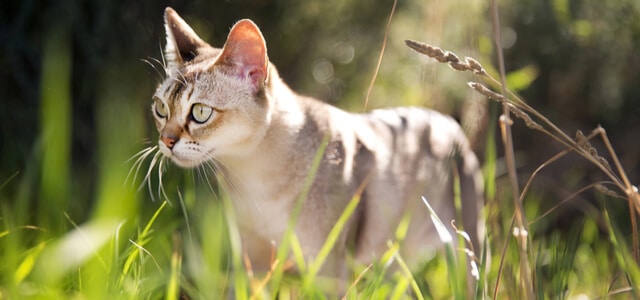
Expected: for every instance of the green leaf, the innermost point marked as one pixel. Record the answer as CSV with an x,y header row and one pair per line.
x,y
521,79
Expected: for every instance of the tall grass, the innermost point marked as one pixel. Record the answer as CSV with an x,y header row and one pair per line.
x,y
55,128
523,274
187,245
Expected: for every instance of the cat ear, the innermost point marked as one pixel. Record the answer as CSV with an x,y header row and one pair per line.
x,y
182,41
245,52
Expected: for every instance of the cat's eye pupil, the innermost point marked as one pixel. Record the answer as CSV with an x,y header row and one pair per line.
x,y
201,113
161,108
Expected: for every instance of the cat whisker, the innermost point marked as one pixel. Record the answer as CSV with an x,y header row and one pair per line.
x,y
164,62
161,169
160,63
229,178
204,178
160,77
157,159
141,153
145,141
197,78
182,78
183,207
147,178
139,157
225,175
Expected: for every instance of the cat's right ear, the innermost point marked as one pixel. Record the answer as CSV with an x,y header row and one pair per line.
x,y
245,52
182,42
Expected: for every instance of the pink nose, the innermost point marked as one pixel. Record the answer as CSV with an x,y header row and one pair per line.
x,y
169,140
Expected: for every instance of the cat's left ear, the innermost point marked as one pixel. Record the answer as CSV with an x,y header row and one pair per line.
x,y
245,52
182,42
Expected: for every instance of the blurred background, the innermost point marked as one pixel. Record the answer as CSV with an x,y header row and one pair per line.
x,y
76,79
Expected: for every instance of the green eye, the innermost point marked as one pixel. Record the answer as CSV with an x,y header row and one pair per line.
x,y
161,109
201,113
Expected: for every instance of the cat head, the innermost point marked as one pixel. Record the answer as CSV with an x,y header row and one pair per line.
x,y
213,102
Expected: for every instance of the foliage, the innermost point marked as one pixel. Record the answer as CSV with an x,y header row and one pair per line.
x,y
74,109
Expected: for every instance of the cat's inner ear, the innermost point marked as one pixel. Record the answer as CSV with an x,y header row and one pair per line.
x,y
245,53
182,42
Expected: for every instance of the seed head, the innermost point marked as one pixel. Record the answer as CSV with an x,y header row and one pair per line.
x,y
426,49
475,66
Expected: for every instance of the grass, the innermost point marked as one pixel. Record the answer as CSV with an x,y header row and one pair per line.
x,y
150,257
580,145
184,244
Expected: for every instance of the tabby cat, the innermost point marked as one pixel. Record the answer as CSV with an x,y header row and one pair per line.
x,y
229,107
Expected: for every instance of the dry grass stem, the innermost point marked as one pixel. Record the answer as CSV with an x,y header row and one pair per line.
x,y
525,112
536,121
469,64
384,45
579,144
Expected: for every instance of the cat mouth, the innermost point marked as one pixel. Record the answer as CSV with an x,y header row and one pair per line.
x,y
186,160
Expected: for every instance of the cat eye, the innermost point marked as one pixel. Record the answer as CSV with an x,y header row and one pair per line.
x,y
161,109
201,113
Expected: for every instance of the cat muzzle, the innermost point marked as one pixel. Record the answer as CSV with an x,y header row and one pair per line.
x,y
169,140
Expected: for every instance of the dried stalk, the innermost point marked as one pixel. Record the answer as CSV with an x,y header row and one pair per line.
x,y
521,231
536,121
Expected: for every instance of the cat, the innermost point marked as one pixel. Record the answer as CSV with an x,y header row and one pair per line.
x,y
228,106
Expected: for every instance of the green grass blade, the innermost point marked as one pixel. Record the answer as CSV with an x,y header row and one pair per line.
x,y
285,244
457,288
335,232
298,255
74,250
489,168
55,128
401,288
240,280
27,264
408,277
173,288
623,256
141,241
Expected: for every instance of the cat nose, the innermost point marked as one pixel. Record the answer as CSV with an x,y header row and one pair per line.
x,y
169,140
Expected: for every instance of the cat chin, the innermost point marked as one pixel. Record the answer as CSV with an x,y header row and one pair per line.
x,y
185,163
